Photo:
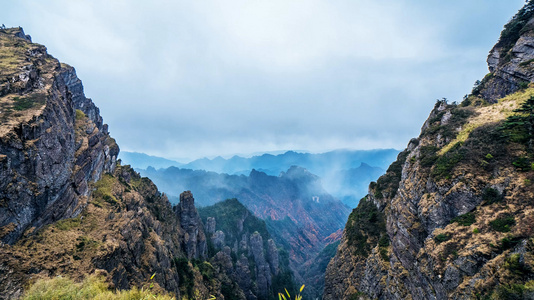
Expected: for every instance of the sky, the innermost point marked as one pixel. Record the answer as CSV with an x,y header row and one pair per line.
x,y
189,79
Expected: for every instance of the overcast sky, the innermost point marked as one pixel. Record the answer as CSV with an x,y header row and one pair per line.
x,y
187,79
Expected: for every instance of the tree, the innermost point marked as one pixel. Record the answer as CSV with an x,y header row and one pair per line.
x,y
519,127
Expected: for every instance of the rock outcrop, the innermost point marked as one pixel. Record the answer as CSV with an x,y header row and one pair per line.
x,y
194,242
511,61
241,245
49,153
452,218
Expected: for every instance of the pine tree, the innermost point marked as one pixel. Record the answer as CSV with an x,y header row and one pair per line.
x,y
520,126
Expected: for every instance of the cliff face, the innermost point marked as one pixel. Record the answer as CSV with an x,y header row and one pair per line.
x,y
453,216
194,242
49,153
67,207
511,61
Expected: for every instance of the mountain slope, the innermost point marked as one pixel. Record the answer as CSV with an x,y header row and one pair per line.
x,y
452,217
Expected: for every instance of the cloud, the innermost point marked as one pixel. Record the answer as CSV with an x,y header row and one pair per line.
x,y
195,78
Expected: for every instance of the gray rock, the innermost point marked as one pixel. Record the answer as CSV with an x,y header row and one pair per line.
x,y
218,239
272,255
44,156
210,225
194,241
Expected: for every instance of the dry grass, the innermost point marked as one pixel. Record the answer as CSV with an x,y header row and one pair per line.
x,y
16,109
15,60
92,287
490,114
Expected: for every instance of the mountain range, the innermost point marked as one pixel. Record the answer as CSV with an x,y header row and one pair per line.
x,y
345,174
300,215
451,218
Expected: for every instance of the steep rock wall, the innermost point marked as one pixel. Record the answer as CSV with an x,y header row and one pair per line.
x,y
46,164
452,217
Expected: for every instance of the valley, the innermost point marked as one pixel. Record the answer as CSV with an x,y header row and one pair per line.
x,y
451,216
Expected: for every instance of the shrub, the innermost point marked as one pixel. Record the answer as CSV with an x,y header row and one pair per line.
x,y
523,164
79,114
509,291
513,30
491,195
428,155
465,219
508,242
445,163
479,85
503,224
185,275
389,182
442,237
365,228
519,127
384,254
514,265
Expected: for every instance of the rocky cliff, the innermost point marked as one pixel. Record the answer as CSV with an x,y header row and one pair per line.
x,y
511,61
250,256
453,216
53,143
68,208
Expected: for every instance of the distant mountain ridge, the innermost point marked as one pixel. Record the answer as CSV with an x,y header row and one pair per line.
x,y
316,163
143,161
345,174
